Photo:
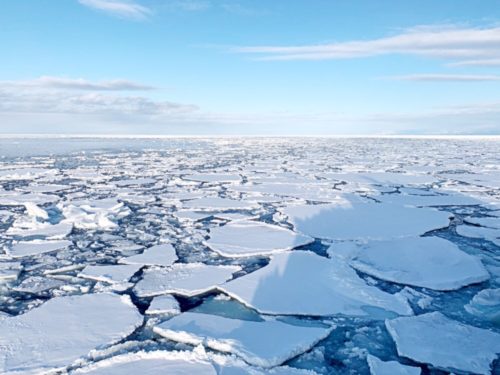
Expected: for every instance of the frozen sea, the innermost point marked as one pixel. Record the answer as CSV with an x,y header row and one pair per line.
x,y
249,255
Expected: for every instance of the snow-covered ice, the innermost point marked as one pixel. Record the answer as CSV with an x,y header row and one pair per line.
x,y
267,343
486,304
247,238
185,279
62,330
35,247
379,367
445,343
349,221
165,304
428,262
160,255
303,283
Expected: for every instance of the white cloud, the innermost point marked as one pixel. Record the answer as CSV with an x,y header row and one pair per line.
x,y
120,8
446,77
485,62
79,84
447,42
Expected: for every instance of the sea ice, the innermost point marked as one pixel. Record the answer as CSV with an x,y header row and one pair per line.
x,y
213,177
112,274
347,221
444,343
166,304
247,238
150,363
185,279
303,283
9,271
160,255
486,304
267,343
379,367
35,247
217,203
64,329
428,262
472,231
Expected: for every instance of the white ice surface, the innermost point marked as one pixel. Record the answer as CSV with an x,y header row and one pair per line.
x,y
379,367
217,203
444,343
151,363
166,304
119,274
185,279
356,220
247,238
429,262
62,330
213,177
9,271
31,227
161,255
266,344
303,283
489,234
35,247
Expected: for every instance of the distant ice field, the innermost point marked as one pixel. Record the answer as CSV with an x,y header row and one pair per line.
x,y
249,255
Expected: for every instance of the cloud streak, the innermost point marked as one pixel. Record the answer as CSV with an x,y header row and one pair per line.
x,y
446,42
49,82
119,8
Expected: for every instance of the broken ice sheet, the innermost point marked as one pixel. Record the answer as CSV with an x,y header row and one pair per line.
x,y
303,283
354,220
217,203
37,285
247,238
213,177
151,363
428,262
379,367
111,274
166,304
486,304
35,247
160,255
267,343
9,271
444,343
184,279
63,329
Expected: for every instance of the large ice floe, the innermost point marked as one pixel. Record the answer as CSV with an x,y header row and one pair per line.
x,y
428,262
247,238
249,256
303,283
444,343
347,220
62,330
265,343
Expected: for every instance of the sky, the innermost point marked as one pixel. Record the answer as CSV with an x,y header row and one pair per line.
x,y
250,67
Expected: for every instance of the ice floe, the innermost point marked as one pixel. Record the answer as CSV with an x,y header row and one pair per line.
x,y
444,343
28,248
267,343
486,304
112,274
185,279
247,238
62,330
160,255
303,283
217,203
428,262
379,367
166,304
346,221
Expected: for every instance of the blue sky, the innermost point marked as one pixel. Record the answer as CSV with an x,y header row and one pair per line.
x,y
209,67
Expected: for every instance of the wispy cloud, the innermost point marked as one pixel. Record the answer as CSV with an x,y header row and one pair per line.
x,y
446,77
120,8
79,84
484,62
446,42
